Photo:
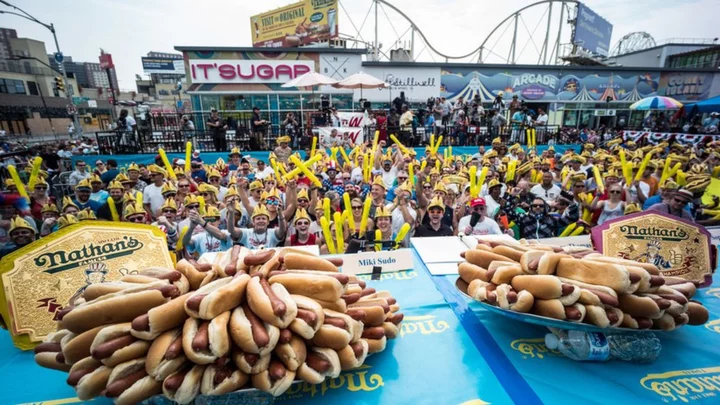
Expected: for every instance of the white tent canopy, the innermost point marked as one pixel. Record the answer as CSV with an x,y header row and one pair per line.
x,y
310,79
361,81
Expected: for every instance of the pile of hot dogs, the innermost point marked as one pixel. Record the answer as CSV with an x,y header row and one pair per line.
x,y
578,285
251,318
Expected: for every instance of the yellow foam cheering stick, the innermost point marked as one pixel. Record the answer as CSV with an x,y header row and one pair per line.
x,y
481,181
326,208
188,152
642,167
578,231
512,166
365,215
37,162
339,236
450,151
201,208
314,146
325,225
308,173
432,142
333,154
599,180
437,145
402,147
179,245
627,175
294,172
274,166
422,165
568,229
113,209
411,173
346,158
20,185
375,140
473,179
378,237
401,235
167,164
348,210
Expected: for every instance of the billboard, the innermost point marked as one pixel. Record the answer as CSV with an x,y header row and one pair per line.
x,y
247,71
297,24
592,32
418,83
684,86
163,65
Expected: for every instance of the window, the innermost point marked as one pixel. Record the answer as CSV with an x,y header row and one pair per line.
x,y
33,88
12,86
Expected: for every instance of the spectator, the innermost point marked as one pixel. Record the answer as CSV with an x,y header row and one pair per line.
x,y
547,191
477,222
111,172
98,194
152,194
539,223
676,205
218,128
82,197
434,226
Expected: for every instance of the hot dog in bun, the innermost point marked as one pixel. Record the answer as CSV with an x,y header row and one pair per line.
x,y
310,317
114,345
49,353
272,303
290,350
129,383
275,380
252,334
217,297
337,331
205,341
165,355
89,378
222,379
353,355
160,319
320,364
183,385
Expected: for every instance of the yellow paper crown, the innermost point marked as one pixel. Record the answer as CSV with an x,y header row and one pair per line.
x,y
283,139
168,188
632,208
213,173
66,219
10,183
303,194
133,167
589,146
382,211
19,223
122,178
155,169
493,153
179,172
133,209
260,210
220,164
211,212
115,185
234,151
440,186
497,141
378,181
68,202
273,193
256,185
232,192
406,186
436,202
40,182
670,185
191,199
129,198
207,188
95,179
319,205
169,204
301,214
611,173
84,183
49,208
86,214
524,168
434,170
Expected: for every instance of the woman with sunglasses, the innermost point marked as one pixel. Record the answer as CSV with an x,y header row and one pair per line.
x,y
215,178
209,193
356,206
611,208
301,235
273,201
39,198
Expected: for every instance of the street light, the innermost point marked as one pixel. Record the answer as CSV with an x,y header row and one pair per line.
x,y
51,27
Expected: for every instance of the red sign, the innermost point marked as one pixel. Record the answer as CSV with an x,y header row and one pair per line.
x,y
248,71
106,61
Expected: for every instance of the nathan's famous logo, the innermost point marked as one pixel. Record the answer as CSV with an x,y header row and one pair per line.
x,y
531,348
61,260
426,325
639,232
715,292
684,385
359,379
714,325
395,275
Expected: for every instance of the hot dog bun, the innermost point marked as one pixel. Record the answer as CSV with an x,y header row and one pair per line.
x,y
272,303
114,345
310,285
218,296
89,377
76,347
250,363
217,343
265,381
339,335
141,388
241,331
160,319
325,359
232,382
297,261
610,275
159,364
482,258
195,278
309,318
292,354
469,272
47,353
510,253
597,257
188,389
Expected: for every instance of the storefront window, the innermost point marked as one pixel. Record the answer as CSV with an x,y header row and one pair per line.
x,y
289,102
636,119
209,101
260,101
342,101
586,118
570,118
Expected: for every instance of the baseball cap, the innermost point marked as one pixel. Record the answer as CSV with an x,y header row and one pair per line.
x,y
180,162
477,202
684,194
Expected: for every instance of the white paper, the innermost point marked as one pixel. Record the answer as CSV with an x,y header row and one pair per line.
x,y
442,269
445,249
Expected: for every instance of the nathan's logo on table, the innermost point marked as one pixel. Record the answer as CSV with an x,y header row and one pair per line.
x,y
61,260
684,385
715,292
359,379
677,247
425,325
713,325
398,275
532,348
50,274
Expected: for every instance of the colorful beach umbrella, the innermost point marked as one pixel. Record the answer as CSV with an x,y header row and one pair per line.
x,y
656,103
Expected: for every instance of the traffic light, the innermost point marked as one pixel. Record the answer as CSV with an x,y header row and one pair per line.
x,y
59,84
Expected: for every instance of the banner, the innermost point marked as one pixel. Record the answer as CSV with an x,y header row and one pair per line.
x,y
351,119
684,86
351,136
657,137
297,24
163,65
419,84
592,32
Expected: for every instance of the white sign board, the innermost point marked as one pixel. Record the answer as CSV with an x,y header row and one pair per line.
x,y
247,71
418,83
389,261
92,103
339,66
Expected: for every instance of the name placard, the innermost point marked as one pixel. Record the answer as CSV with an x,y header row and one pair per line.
x,y
389,261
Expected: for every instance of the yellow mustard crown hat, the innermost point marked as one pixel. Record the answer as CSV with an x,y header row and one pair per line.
x,y
129,198
493,183
406,186
232,192
283,139
213,173
436,202
133,167
179,172
86,214
382,211
122,178
95,179
524,168
303,194
260,210
378,181
84,183
49,208
256,185
632,208
168,188
66,219
68,202
301,214
220,163
40,182
19,223
234,151
611,173
191,199
169,204
211,212
434,170
10,183
273,193
497,141
115,185
491,154
155,169
440,186
133,209
207,188
319,205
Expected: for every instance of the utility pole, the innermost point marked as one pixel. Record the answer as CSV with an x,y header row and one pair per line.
x,y
51,27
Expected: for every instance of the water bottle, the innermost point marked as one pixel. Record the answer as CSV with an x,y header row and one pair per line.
x,y
592,346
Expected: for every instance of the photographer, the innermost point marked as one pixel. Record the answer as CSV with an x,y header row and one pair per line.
x,y
258,127
217,128
400,101
291,128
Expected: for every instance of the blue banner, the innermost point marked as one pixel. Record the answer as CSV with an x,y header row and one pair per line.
x,y
592,32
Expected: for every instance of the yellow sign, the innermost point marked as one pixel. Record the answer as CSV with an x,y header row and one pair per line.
x,y
359,379
47,275
297,24
684,385
425,325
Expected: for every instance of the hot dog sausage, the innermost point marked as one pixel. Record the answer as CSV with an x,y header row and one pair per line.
x,y
567,289
358,282
335,260
533,265
318,363
193,303
309,317
644,323
107,349
221,374
634,278
258,258
74,377
276,371
656,281
251,358
201,341
337,322
376,332
231,267
278,306
285,336
572,314
47,347
119,386
259,333
351,298
175,348
512,297
174,382
141,323
168,291
395,318
612,316
356,314
357,348
367,291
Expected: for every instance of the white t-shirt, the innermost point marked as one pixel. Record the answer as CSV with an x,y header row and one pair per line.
x,y
130,121
389,177
152,194
252,240
261,174
542,119
356,176
485,227
221,193
547,195
204,242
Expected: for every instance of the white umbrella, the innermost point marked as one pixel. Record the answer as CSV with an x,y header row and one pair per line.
x,y
310,79
360,81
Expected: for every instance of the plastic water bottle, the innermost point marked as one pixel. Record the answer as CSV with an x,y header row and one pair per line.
x,y
592,346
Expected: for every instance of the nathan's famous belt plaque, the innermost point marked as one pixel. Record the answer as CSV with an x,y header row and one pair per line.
x,y
679,248
42,278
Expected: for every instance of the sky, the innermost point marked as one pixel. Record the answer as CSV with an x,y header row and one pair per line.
x,y
129,29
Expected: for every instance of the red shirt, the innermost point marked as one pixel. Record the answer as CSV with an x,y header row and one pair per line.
x,y
380,123
311,240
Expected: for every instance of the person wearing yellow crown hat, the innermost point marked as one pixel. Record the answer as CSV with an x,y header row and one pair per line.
x,y
22,233
215,178
260,234
301,235
377,194
210,194
116,191
152,194
98,194
82,196
383,222
69,206
134,212
50,215
402,210
434,226
283,150
39,198
134,177
86,215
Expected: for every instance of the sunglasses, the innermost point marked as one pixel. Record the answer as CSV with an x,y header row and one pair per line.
x,y
427,187
272,202
137,219
680,201
82,165
41,188
537,205
302,201
99,164
616,192
168,211
184,185
480,208
215,179
357,207
579,186
193,206
301,223
211,220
